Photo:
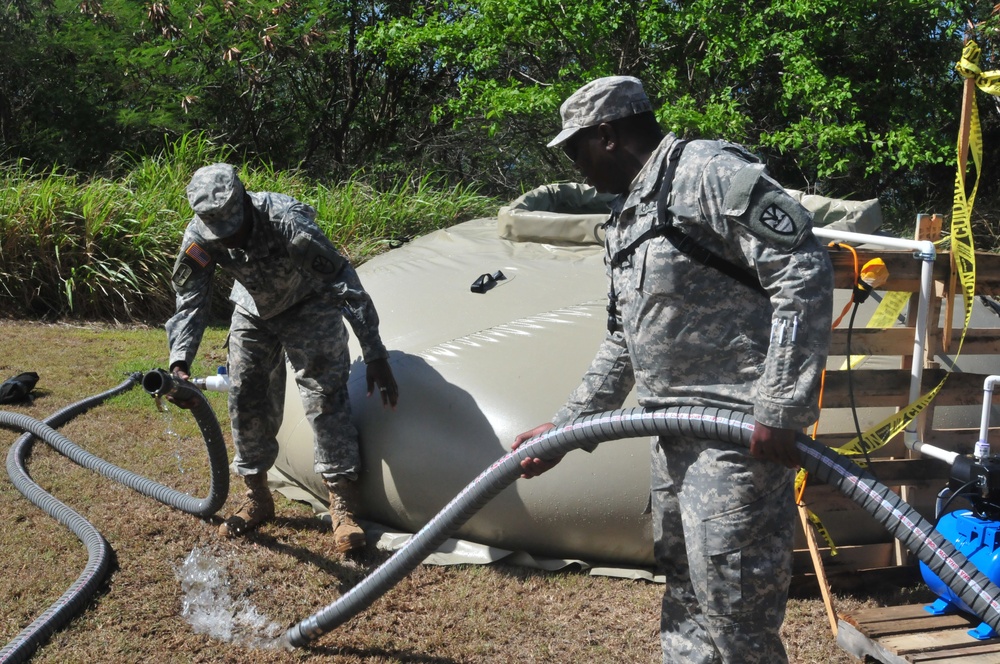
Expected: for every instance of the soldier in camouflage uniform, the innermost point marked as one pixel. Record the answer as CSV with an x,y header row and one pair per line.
x,y
291,293
731,309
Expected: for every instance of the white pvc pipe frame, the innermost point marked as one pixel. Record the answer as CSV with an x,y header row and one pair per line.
x,y
925,251
983,445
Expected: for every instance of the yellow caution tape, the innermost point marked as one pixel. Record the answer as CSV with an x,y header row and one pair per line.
x,y
963,250
822,531
968,67
886,314
817,523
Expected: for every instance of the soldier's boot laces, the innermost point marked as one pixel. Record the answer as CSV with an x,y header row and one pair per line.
x,y
255,510
344,499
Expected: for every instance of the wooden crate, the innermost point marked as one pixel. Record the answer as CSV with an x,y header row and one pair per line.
x,y
864,541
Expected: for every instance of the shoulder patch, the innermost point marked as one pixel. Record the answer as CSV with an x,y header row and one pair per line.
x,y
324,265
778,220
317,254
182,273
762,206
198,255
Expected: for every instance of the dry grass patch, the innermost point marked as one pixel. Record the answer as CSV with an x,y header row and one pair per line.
x,y
288,570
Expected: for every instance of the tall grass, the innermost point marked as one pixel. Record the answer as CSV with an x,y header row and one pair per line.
x,y
103,249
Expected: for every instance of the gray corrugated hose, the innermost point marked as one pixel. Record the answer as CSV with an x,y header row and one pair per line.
x,y
901,520
98,550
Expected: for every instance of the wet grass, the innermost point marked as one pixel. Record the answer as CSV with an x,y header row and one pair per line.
x,y
287,571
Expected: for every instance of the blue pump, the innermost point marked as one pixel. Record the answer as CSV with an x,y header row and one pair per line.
x,y
973,532
978,539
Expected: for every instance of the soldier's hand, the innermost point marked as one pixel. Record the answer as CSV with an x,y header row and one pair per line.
x,y
380,373
180,372
775,445
533,467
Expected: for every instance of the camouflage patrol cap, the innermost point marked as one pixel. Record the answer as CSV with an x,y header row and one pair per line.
x,y
216,196
601,100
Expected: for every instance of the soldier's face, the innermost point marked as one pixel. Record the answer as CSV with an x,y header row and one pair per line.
x,y
238,239
588,150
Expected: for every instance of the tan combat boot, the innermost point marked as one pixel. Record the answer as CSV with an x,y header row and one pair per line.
x,y
344,499
255,510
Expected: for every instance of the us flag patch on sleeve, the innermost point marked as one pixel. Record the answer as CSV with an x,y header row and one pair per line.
x,y
198,255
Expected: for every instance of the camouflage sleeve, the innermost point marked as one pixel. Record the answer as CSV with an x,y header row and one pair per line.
x,y
801,287
192,283
321,260
605,385
762,225
360,313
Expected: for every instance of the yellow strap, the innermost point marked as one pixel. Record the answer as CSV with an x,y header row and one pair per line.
x,y
963,250
886,314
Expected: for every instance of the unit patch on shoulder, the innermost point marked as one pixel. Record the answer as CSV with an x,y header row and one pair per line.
x,y
324,265
182,273
316,253
761,205
324,259
778,220
198,255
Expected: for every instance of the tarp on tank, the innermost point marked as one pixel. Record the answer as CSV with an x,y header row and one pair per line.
x,y
573,213
477,368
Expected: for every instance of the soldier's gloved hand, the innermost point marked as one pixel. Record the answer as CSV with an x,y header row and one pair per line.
x,y
179,370
378,372
533,467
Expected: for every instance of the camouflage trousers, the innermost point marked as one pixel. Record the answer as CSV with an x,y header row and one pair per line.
x,y
312,337
722,526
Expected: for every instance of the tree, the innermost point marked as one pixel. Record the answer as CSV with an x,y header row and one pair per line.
x,y
59,83
842,97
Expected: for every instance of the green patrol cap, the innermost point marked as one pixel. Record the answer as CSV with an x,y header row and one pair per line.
x,y
601,100
216,196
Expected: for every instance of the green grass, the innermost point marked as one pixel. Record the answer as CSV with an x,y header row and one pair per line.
x,y
101,248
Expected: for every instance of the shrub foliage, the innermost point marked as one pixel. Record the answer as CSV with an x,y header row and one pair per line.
x,y
99,248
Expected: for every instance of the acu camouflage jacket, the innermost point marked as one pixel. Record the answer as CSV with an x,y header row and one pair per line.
x,y
288,259
691,335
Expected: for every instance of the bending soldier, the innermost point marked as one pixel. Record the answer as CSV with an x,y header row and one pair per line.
x,y
291,293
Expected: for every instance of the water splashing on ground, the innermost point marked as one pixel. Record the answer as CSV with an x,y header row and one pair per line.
x,y
209,607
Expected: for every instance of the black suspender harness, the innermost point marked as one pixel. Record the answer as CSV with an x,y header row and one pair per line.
x,y
681,241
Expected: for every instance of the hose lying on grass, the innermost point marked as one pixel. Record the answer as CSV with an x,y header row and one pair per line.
x,y
98,550
902,521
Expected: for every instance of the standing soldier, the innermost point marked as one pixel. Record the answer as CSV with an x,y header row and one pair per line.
x,y
721,297
292,290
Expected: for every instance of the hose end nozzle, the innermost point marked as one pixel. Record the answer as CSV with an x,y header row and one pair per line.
x,y
159,383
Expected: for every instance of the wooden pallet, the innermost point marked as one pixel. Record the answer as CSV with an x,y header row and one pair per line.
x,y
909,634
